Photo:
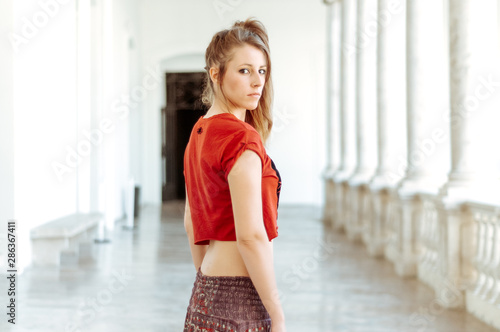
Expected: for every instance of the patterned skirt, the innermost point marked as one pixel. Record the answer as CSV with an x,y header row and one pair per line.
x,y
225,304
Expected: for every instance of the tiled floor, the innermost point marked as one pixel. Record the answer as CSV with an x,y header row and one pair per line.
x,y
143,279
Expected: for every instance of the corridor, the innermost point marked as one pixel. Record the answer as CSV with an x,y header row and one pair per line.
x,y
384,125
142,281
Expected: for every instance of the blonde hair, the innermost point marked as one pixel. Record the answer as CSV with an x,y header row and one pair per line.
x,y
220,51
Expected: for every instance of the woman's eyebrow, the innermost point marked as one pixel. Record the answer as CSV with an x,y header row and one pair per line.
x,y
247,64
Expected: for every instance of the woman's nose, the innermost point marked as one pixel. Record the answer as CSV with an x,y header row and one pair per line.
x,y
257,81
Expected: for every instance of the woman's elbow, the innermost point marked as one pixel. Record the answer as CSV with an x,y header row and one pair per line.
x,y
252,239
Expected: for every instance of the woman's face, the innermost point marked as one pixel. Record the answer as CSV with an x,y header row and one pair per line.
x,y
245,77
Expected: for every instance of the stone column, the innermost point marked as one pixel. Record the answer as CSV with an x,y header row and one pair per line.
x,y
391,133
474,89
366,138
474,77
366,110
391,94
347,110
103,163
332,82
426,98
85,197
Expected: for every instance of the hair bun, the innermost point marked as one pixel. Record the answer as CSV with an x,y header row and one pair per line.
x,y
255,26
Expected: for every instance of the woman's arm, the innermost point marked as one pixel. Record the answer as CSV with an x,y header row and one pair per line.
x,y
197,251
245,182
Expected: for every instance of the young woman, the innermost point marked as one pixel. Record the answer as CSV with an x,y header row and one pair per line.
x,y
232,189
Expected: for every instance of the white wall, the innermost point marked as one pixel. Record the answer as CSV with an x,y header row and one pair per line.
x,y
45,117
62,90
170,29
119,76
6,126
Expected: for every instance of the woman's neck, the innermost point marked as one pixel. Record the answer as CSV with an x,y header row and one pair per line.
x,y
217,108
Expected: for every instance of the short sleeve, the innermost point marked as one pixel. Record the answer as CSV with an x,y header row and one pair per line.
x,y
236,145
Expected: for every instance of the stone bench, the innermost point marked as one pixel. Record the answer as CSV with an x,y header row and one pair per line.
x,y
65,240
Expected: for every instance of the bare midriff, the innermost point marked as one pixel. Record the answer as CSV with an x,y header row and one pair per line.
x,y
223,259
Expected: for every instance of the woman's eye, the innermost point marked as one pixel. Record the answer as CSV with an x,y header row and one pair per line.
x,y
246,71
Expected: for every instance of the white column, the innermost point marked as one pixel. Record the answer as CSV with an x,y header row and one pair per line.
x,y
347,91
332,103
426,100
474,57
391,94
103,166
391,120
475,93
366,101
461,76
347,110
96,201
329,86
366,139
83,100
109,146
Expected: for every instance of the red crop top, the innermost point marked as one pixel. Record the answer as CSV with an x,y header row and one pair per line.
x,y
214,146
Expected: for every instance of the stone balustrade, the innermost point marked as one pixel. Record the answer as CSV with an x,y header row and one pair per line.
x,y
429,236
483,293
416,203
479,249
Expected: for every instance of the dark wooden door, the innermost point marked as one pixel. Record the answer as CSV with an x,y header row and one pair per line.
x,y
184,107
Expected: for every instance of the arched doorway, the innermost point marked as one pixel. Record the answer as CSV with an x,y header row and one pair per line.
x,y
183,109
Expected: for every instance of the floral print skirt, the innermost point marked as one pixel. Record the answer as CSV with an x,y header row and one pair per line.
x,y
225,304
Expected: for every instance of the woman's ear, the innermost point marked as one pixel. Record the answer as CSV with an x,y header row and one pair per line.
x,y
214,74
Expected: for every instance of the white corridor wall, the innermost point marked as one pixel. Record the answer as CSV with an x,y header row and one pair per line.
x,y
57,96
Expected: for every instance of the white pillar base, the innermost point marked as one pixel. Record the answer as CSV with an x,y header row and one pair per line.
x,y
375,233
329,207
406,251
342,199
357,196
